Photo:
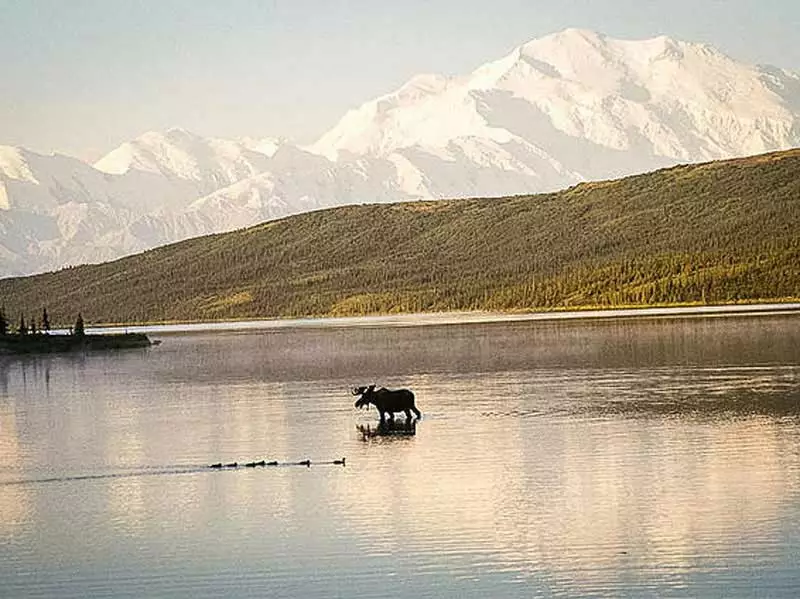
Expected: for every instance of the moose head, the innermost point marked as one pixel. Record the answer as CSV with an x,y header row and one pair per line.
x,y
366,396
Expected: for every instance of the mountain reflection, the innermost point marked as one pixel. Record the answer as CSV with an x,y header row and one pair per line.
x,y
15,502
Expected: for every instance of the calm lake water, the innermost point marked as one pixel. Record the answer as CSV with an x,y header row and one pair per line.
x,y
633,458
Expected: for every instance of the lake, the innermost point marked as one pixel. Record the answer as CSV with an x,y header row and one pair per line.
x,y
614,458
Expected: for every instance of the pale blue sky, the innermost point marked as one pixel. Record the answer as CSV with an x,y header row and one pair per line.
x,y
82,76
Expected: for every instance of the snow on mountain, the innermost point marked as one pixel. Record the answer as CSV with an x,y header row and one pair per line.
x,y
209,162
593,105
568,107
266,146
56,210
299,181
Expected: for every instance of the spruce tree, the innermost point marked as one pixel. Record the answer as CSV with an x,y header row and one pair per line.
x,y
3,323
23,329
79,331
45,321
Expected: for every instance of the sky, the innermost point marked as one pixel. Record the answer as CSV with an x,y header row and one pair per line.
x,y
80,77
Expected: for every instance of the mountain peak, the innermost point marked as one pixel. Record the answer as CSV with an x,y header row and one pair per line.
x,y
573,34
672,100
173,135
583,45
178,153
179,131
571,106
574,40
14,165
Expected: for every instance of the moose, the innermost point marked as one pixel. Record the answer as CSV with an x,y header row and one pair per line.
x,y
387,401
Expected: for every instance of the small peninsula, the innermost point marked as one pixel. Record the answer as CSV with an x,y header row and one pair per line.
x,y
43,344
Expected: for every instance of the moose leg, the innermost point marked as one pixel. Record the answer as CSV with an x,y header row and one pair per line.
x,y
416,411
408,414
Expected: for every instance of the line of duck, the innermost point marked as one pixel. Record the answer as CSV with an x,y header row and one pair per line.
x,y
264,463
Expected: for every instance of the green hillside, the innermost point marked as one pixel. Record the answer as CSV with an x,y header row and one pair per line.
x,y
717,232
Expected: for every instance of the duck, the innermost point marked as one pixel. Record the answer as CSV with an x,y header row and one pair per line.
x,y
304,463
272,463
232,465
339,462
216,466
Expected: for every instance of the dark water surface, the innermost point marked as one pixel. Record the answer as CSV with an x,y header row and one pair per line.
x,y
616,458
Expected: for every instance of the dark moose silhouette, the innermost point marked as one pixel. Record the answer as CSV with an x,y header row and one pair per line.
x,y
387,401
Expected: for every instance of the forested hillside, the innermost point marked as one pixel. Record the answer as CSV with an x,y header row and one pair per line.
x,y
718,232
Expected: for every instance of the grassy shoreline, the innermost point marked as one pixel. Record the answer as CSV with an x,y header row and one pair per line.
x,y
467,317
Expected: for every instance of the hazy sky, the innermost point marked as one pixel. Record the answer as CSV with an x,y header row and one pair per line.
x,y
82,76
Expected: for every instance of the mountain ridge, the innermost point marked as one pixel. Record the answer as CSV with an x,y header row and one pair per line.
x,y
717,232
565,108
586,69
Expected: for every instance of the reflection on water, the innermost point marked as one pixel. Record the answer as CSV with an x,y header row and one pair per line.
x,y
621,458
388,428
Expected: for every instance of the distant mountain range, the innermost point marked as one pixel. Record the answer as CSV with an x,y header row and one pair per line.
x,y
716,232
566,108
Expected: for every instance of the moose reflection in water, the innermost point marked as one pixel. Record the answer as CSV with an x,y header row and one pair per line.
x,y
387,401
388,428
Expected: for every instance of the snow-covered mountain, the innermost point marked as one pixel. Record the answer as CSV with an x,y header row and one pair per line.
x,y
178,154
589,105
565,108
56,210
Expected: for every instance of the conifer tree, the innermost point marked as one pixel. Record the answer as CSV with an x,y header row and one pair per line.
x,y
23,329
79,330
45,321
3,323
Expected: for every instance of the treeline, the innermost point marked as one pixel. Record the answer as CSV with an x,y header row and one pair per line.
x,y
24,328
31,327
713,233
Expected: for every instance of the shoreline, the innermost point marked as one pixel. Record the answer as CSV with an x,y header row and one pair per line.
x,y
35,344
451,318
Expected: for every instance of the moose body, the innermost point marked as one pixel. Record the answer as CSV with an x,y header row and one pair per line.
x,y
387,401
